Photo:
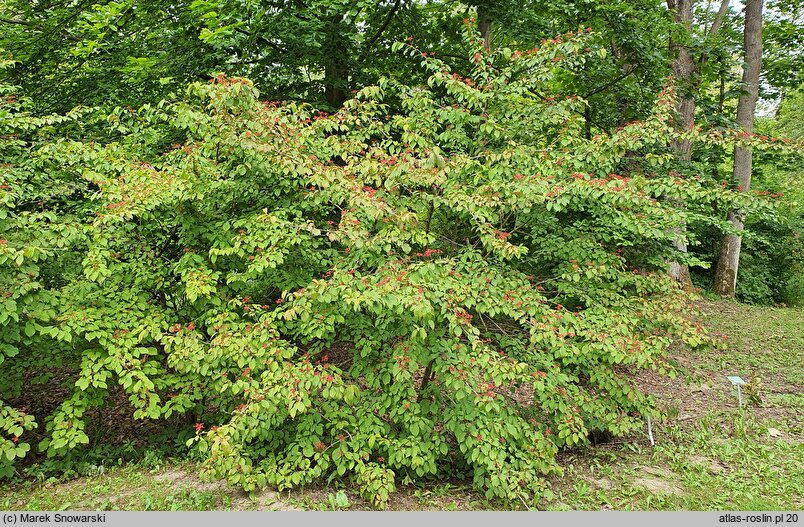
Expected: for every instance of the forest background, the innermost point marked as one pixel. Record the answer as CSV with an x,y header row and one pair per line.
x,y
373,240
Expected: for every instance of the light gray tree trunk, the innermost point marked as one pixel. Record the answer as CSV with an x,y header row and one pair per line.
x,y
729,261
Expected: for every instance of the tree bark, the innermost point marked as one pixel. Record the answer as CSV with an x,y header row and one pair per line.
x,y
336,70
729,261
721,13
335,79
484,25
685,71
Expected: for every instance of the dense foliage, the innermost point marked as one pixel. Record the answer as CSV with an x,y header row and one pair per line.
x,y
445,256
775,260
463,285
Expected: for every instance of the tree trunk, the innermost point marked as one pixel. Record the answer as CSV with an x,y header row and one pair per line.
x,y
336,71
782,97
728,263
335,79
484,25
685,71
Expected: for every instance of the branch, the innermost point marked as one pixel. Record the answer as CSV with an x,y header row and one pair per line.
x,y
37,27
262,39
579,112
630,68
721,14
428,372
19,22
384,26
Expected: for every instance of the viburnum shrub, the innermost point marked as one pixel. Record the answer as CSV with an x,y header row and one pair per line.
x,y
31,237
465,283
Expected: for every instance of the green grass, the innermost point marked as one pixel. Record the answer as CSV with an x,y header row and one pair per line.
x,y
724,457
709,455
763,341
727,461
130,487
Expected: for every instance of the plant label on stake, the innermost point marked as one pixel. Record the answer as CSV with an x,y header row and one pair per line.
x,y
737,381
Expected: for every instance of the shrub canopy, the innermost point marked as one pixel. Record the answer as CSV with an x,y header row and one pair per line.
x,y
468,284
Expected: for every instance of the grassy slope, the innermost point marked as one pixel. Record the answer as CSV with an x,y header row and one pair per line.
x,y
709,454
